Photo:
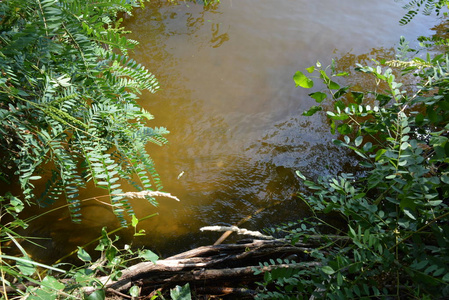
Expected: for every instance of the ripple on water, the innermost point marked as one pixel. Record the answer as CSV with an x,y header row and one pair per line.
x,y
228,99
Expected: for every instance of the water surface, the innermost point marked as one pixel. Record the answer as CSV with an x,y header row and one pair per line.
x,y
228,98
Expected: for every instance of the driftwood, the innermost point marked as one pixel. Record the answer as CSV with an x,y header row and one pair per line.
x,y
225,270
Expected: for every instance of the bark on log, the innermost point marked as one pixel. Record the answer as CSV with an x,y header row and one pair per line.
x,y
215,270
219,267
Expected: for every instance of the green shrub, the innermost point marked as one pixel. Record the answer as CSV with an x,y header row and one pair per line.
x,y
68,109
396,210
69,118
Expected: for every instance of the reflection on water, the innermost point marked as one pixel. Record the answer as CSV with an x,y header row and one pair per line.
x,y
228,99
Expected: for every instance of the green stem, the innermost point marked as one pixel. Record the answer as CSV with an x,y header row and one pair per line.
x,y
99,238
420,229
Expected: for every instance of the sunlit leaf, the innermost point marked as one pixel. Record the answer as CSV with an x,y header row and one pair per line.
x,y
134,291
148,255
333,86
302,80
134,221
25,267
445,179
300,175
337,117
146,114
380,153
324,76
404,146
140,233
358,141
53,283
83,255
310,69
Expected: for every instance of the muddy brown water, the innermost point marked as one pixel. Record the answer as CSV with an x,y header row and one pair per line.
x,y
229,101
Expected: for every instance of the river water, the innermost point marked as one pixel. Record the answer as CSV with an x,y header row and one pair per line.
x,y
228,99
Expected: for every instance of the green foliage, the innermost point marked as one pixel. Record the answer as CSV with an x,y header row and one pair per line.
x,y
68,109
69,118
181,292
78,282
289,282
396,211
425,6
202,2
60,281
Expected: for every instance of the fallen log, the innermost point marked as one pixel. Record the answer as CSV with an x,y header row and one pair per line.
x,y
225,269
220,268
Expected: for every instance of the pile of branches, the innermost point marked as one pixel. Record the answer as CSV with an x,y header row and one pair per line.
x,y
225,271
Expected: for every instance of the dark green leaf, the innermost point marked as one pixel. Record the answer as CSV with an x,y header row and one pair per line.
x,y
111,253
333,85
419,119
383,99
181,293
339,143
328,270
312,111
96,295
341,92
332,125
318,96
339,279
344,128
358,97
